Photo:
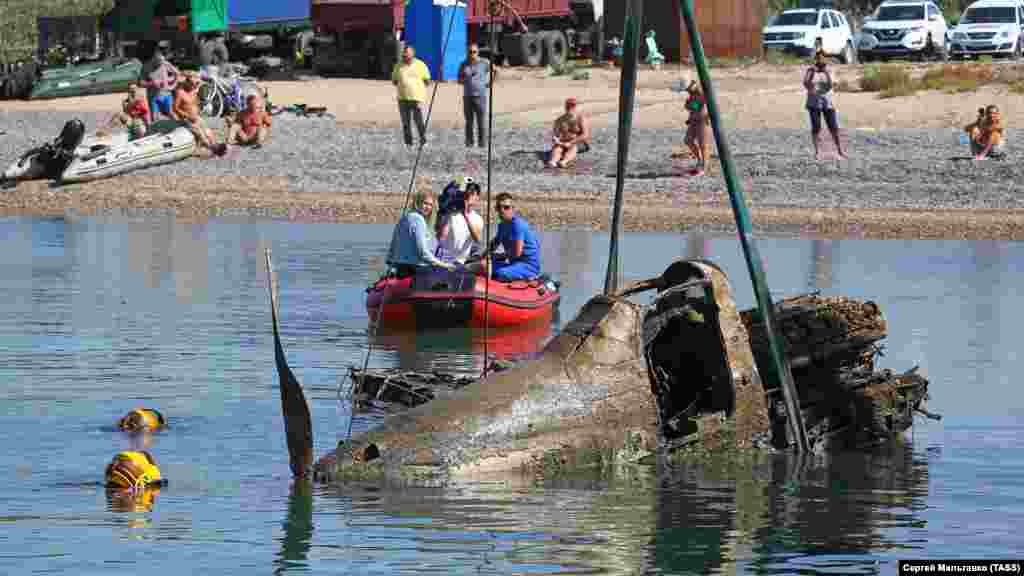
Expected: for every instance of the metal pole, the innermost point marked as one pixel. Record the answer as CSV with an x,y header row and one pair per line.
x,y
780,365
630,58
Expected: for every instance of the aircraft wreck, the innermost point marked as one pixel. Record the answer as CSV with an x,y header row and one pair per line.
x,y
628,382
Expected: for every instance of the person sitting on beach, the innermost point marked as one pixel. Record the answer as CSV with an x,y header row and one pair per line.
x,y
412,243
973,129
987,141
252,125
818,83
520,257
463,227
570,136
134,114
186,110
697,126
160,77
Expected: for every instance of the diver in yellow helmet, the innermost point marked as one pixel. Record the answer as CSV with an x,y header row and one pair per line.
x,y
133,471
142,419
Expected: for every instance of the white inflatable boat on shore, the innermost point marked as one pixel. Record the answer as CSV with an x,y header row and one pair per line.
x,y
73,157
166,141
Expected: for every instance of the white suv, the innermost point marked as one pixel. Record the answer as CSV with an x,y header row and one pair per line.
x,y
903,28
989,27
804,31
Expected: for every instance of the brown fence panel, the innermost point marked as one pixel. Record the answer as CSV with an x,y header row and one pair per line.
x,y
729,28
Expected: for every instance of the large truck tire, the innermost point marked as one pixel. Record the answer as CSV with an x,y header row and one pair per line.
x,y
386,56
511,48
531,48
556,47
213,53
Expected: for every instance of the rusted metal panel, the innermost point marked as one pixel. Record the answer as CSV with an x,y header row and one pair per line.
x,y
527,9
729,28
343,15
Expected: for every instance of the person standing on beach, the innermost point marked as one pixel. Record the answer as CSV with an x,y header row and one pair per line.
x,y
160,77
697,127
411,76
818,83
475,77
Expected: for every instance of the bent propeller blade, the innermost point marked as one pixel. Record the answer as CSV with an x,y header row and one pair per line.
x,y
298,426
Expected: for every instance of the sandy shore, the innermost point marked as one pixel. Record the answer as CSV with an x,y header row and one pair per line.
x,y
905,178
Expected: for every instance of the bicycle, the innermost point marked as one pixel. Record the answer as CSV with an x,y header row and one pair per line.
x,y
220,95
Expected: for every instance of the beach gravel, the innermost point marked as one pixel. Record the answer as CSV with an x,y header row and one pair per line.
x,y
314,161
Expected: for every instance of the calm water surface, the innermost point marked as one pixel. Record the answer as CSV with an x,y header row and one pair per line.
x,y
98,316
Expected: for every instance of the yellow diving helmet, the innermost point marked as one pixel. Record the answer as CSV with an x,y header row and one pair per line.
x,y
133,470
142,419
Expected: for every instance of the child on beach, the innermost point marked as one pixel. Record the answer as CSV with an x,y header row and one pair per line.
x,y
134,114
697,127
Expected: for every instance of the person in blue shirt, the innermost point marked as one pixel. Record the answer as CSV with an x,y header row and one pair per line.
x,y
521,257
412,243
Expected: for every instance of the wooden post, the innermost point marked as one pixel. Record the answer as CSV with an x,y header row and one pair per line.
x,y
783,374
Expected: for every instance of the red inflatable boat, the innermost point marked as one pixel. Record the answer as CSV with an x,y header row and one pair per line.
x,y
438,298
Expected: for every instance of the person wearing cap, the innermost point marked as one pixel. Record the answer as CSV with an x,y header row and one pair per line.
x,y
570,135
186,110
475,77
461,230
411,76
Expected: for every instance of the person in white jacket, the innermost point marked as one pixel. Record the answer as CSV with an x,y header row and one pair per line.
x,y
462,234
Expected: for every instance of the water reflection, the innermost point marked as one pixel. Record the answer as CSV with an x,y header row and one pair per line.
x,y
712,518
132,500
768,516
461,349
823,255
298,528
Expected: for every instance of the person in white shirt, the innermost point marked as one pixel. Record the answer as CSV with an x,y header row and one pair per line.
x,y
464,228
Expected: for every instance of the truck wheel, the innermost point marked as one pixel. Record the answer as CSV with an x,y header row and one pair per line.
x,y
556,48
531,48
213,53
511,48
385,57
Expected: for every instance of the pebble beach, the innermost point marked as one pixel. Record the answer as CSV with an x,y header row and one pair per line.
x,y
899,182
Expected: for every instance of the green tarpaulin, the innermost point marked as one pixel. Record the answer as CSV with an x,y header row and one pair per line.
x,y
135,17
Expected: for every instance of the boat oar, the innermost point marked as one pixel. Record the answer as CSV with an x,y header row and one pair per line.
x,y
298,427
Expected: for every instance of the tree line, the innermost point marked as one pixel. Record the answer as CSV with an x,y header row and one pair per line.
x,y
19,30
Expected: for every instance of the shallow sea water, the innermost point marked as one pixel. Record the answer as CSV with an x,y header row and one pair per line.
x,y
98,316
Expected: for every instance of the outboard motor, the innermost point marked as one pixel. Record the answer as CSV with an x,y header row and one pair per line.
x,y
63,148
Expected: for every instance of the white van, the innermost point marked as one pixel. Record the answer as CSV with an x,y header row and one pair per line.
x,y
990,27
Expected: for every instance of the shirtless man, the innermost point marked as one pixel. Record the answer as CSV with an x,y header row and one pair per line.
x,y
186,109
252,125
571,131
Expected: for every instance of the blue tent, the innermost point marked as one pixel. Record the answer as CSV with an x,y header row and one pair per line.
x,y
431,23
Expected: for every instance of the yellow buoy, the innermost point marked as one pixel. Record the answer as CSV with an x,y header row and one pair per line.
x,y
133,470
142,419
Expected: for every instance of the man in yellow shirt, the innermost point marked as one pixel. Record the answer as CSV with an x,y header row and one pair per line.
x,y
411,76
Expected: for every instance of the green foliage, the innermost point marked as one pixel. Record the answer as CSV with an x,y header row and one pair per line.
x,y
19,31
